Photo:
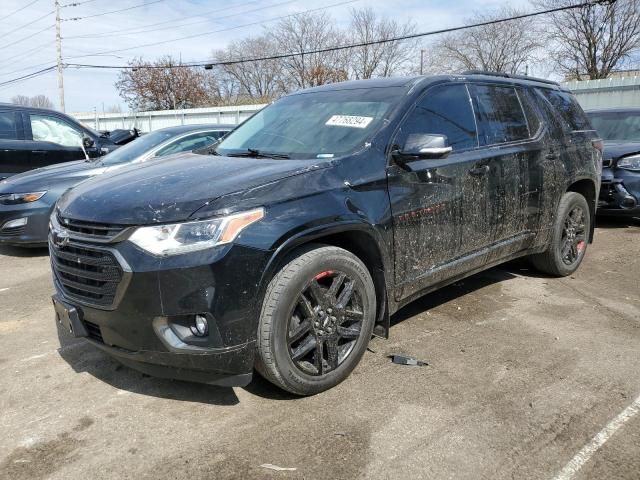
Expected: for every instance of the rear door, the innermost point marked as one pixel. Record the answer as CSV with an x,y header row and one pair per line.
x,y
13,156
51,139
507,144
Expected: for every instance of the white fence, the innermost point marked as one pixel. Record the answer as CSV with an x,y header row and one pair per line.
x,y
149,121
607,93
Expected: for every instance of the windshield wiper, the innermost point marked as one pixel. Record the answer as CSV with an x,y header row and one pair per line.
x,y
255,153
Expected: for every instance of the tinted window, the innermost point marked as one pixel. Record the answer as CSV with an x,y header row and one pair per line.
x,y
141,145
47,128
8,127
528,105
445,110
567,108
192,142
499,114
620,125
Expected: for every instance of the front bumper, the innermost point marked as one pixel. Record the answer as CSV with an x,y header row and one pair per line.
x,y
34,233
144,326
619,193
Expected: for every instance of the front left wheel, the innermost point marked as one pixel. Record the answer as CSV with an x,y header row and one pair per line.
x,y
317,319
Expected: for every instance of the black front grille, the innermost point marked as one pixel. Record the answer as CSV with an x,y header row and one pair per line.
x,y
87,274
91,229
94,331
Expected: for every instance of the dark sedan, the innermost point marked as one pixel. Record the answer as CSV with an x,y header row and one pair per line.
x,y
27,199
620,130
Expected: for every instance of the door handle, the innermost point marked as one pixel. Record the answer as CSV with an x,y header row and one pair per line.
x,y
479,170
39,152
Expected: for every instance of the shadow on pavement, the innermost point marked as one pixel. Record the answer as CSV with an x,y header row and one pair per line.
x,y
459,289
84,357
23,251
617,222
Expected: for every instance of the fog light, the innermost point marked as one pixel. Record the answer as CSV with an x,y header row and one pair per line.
x,y
201,327
18,222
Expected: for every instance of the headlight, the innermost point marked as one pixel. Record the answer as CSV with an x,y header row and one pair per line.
x,y
16,198
630,163
192,236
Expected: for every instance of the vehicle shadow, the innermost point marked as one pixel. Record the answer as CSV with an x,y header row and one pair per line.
x,y
617,222
462,288
84,357
26,252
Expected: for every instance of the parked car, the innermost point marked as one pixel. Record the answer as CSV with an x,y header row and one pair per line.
x,y
27,199
36,137
318,218
620,129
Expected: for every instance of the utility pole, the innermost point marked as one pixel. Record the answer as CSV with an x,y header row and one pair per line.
x,y
59,55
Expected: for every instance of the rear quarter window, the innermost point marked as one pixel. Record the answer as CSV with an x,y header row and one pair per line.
x,y
8,127
568,109
499,114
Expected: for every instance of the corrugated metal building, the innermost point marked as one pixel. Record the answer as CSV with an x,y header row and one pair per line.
x,y
148,121
607,93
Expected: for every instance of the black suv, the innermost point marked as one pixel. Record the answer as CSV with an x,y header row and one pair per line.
x,y
37,137
309,225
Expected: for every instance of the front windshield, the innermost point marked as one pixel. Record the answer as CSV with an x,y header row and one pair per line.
x,y
622,126
322,124
139,146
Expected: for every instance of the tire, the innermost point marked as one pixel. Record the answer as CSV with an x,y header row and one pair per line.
x,y
569,231
339,326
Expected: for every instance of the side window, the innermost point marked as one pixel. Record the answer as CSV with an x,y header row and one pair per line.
x,y
568,109
8,127
499,114
445,110
187,144
47,128
528,105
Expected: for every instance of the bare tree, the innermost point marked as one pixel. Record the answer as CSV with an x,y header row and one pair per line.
x,y
40,100
308,32
260,81
594,40
164,85
383,59
499,47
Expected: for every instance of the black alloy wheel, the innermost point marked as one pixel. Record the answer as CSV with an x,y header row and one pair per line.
x,y
325,323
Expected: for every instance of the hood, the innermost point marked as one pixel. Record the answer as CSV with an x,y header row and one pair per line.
x,y
616,149
47,177
171,190
121,136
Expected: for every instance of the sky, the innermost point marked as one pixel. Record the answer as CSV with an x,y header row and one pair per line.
x,y
27,38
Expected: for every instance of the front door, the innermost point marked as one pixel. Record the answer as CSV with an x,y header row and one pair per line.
x,y
441,208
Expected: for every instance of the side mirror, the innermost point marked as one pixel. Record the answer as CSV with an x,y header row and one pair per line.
x,y
87,141
421,146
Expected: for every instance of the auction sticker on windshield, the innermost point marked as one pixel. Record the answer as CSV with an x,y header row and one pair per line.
x,y
352,121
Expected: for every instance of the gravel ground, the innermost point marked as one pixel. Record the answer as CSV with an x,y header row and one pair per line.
x,y
524,371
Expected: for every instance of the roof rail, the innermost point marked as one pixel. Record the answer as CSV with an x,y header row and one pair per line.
x,y
510,75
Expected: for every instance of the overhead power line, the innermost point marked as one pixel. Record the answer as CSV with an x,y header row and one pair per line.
x,y
344,46
26,24
18,10
173,25
188,37
110,12
28,76
27,37
76,4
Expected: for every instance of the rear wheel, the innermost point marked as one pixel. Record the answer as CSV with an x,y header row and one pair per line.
x,y
316,321
570,237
